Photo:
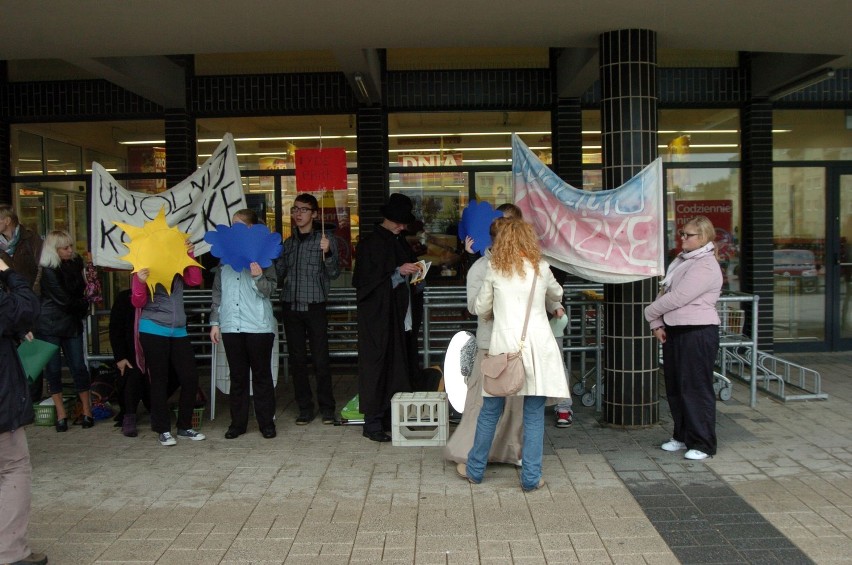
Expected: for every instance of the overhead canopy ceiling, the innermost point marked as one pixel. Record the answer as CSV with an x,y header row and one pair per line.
x,y
94,28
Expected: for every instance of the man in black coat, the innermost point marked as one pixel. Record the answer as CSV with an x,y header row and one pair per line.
x,y
19,308
389,314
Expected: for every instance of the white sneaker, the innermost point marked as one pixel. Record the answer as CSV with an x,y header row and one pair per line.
x,y
695,455
673,445
191,434
167,439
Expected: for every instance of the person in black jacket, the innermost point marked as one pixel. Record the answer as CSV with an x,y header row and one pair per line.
x,y
63,307
389,315
132,385
19,309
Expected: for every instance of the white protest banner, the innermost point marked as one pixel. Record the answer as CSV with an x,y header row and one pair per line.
x,y
208,197
609,236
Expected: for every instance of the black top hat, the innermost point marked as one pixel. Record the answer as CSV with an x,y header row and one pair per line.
x,y
398,209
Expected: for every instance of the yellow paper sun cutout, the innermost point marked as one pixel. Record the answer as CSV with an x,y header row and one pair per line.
x,y
159,248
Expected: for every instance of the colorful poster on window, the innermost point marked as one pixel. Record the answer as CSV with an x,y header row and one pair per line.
x,y
146,160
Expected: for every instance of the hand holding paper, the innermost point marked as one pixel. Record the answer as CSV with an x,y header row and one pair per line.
x,y
422,268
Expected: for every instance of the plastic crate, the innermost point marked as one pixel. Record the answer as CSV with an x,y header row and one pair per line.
x,y
419,419
197,416
45,414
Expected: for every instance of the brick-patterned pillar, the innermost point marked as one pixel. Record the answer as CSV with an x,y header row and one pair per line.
x,y
5,137
566,126
373,173
628,60
757,219
180,146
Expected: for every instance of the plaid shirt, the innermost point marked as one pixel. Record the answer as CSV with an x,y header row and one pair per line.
x,y
306,274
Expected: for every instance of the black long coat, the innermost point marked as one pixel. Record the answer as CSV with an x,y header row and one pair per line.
x,y
387,354
19,308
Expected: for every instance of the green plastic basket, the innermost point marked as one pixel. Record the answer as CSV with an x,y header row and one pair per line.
x,y
45,414
197,417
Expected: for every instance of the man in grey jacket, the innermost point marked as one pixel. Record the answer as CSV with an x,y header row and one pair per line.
x,y
308,264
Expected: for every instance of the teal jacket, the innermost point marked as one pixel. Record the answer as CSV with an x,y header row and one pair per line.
x,y
241,302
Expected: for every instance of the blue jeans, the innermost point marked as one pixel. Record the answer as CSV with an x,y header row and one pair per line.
x,y
72,350
489,415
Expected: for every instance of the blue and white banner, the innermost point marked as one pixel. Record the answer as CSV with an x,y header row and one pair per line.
x,y
608,236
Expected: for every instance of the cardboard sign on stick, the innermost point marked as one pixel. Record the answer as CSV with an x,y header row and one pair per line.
x,y
320,169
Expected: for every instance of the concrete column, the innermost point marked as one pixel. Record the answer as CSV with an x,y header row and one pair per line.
x,y
373,171
628,60
567,140
180,146
756,190
5,137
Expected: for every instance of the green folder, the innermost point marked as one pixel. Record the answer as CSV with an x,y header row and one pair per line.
x,y
34,356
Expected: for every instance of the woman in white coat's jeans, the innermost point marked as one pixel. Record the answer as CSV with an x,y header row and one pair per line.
x,y
515,257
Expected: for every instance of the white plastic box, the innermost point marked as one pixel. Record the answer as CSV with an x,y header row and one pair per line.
x,y
419,419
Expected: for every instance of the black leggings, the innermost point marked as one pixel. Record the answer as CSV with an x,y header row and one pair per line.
x,y
161,353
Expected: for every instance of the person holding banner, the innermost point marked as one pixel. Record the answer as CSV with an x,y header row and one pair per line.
x,y
165,343
19,308
389,315
308,264
63,306
241,317
684,319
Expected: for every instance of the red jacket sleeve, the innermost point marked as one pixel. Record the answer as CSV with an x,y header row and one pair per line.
x,y
138,292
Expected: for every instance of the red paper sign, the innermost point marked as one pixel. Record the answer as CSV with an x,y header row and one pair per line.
x,y
320,169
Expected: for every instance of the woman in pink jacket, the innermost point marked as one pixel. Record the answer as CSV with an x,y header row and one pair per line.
x,y
684,319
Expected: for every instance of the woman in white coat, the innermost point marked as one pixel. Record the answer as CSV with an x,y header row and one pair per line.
x,y
515,258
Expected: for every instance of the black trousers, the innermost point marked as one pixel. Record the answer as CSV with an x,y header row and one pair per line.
x,y
299,328
161,354
250,354
133,389
689,355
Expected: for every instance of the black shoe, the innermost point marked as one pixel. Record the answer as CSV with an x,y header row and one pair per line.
x,y
377,436
233,433
33,559
328,419
269,432
88,422
304,419
62,425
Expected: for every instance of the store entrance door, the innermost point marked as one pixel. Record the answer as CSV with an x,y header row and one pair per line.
x,y
839,260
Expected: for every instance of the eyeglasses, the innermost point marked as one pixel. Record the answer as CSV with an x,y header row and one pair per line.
x,y
685,235
301,209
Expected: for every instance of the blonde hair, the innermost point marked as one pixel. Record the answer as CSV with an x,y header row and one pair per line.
x,y
705,228
55,240
514,242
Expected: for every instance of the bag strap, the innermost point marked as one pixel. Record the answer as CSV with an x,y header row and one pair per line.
x,y
529,307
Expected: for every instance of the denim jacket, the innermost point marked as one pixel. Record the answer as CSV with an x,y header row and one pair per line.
x,y
241,302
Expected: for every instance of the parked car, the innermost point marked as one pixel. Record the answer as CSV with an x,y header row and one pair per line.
x,y
798,266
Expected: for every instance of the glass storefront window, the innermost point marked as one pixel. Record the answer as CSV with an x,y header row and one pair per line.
x,y
798,201
27,154
438,200
271,142
714,193
699,135
62,158
70,148
812,135
455,139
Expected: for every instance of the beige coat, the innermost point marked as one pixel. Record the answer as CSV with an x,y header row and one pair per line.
x,y
506,298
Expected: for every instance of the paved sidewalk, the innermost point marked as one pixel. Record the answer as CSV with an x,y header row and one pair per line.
x,y
779,490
